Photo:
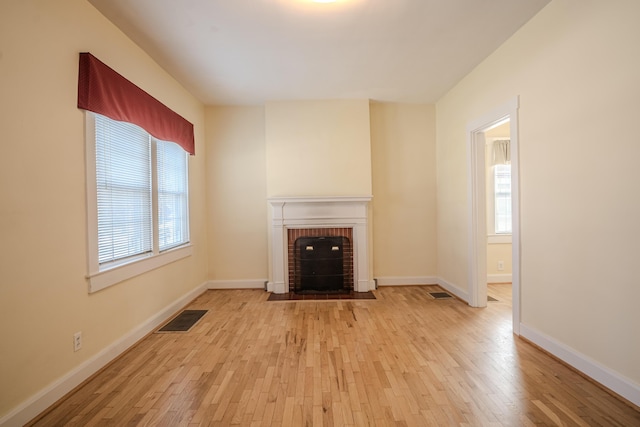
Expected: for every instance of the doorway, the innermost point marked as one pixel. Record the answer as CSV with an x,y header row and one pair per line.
x,y
498,190
477,214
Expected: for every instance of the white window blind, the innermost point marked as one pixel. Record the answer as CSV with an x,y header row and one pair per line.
x,y
123,189
141,193
173,213
502,191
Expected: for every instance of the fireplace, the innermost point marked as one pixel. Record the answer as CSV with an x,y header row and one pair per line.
x,y
320,260
339,226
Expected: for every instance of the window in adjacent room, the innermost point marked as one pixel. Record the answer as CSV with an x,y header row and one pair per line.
x,y
502,198
499,191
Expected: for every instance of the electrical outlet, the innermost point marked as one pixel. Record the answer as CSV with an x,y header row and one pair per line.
x,y
500,265
77,341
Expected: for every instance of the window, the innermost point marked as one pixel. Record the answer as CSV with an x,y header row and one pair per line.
x,y
502,198
138,200
173,215
123,189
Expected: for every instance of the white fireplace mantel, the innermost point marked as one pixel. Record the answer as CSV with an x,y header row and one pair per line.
x,y
319,212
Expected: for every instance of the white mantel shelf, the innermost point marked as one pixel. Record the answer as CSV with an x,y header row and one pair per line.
x,y
319,212
320,199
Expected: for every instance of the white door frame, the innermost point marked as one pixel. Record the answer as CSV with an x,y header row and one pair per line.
x,y
477,214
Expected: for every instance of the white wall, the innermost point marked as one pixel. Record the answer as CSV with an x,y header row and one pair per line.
x,y
575,69
44,296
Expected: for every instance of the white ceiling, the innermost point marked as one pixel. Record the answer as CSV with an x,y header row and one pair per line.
x,y
251,51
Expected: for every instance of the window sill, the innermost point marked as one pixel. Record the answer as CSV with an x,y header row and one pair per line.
x,y
116,274
498,238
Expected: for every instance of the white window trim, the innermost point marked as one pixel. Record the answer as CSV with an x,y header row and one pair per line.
x,y
102,277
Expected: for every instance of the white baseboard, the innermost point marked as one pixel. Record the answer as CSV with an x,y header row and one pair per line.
x,y
498,278
236,284
275,287
371,284
49,395
605,376
423,280
450,287
406,280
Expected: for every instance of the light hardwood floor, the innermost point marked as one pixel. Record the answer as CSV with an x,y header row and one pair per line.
x,y
404,359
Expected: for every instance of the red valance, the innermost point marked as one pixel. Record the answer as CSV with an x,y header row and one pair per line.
x,y
104,91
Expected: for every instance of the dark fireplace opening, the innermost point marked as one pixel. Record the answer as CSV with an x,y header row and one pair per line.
x,y
320,265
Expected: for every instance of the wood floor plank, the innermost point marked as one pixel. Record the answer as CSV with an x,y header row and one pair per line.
x,y
403,359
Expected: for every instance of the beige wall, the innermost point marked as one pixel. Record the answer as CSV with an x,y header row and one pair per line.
x,y
43,260
575,69
402,150
237,201
318,148
497,252
404,189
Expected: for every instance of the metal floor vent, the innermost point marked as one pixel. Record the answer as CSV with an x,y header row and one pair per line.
x,y
440,295
183,321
